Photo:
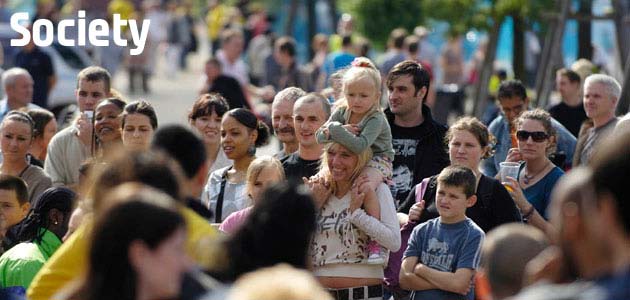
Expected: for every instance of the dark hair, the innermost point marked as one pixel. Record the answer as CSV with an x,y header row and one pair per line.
x,y
140,107
59,198
41,117
95,74
346,41
215,61
569,74
182,145
151,168
249,120
287,45
512,88
13,183
20,116
412,43
208,103
138,218
459,176
279,229
611,174
420,76
397,37
116,101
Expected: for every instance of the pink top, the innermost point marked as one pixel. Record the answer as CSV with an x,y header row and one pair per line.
x,y
235,220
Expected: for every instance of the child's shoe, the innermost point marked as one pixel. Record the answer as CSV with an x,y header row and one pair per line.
x,y
375,254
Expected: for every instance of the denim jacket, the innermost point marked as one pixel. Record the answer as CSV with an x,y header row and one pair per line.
x,y
500,129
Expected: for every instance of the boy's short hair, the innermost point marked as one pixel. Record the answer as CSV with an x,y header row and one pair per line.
x,y
458,177
512,88
13,183
95,74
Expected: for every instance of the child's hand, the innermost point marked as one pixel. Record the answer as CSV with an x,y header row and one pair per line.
x,y
416,211
320,190
357,197
353,128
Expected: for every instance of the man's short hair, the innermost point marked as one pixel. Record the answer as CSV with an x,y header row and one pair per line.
x,y
11,75
229,34
613,88
13,183
95,74
506,251
316,98
290,94
215,61
397,37
611,174
420,76
457,176
512,88
412,44
182,145
346,41
573,76
286,45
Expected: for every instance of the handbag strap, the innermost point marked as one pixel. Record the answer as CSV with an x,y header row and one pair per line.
x,y
219,208
421,189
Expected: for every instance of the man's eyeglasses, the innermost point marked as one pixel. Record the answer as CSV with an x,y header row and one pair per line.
x,y
537,136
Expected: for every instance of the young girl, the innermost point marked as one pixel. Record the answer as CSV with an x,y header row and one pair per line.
x,y
359,123
261,173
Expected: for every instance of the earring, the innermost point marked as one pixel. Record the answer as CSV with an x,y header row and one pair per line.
x,y
55,222
251,151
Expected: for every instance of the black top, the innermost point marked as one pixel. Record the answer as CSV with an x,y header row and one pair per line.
x,y
231,90
295,167
40,66
199,208
494,204
420,152
571,117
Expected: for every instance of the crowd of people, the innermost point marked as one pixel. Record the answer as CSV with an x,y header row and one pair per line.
x,y
369,197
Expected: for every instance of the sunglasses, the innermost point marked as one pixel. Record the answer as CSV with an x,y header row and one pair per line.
x,y
537,136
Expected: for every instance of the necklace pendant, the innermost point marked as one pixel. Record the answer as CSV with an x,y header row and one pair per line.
x,y
525,180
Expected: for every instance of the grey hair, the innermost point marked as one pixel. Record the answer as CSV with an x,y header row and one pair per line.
x,y
612,85
9,76
289,94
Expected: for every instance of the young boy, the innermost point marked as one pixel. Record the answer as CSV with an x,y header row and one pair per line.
x,y
13,200
443,253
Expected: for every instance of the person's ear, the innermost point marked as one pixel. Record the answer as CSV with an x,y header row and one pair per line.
x,y
55,216
471,200
137,253
25,207
571,223
422,92
253,136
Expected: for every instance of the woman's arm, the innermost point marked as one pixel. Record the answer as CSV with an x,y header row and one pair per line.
x,y
527,209
386,231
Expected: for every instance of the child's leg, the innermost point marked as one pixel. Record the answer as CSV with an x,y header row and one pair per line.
x,y
371,205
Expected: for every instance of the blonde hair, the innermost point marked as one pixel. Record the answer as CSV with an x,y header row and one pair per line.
x,y
271,284
362,160
361,67
260,163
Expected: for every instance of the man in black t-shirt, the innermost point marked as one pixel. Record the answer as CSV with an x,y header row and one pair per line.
x,y
309,113
40,66
417,139
570,112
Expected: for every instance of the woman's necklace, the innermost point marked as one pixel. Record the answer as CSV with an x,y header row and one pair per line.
x,y
527,178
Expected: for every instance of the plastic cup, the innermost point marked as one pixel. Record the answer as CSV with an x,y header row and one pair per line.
x,y
509,169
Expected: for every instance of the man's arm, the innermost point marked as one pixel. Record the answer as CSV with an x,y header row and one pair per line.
x,y
52,80
408,280
458,282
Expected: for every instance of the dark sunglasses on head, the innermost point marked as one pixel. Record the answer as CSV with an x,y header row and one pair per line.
x,y
537,136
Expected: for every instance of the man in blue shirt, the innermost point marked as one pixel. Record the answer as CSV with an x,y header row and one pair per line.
x,y
512,102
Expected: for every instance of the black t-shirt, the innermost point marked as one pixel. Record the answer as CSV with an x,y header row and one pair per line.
x,y
494,204
231,90
295,167
569,116
405,142
39,65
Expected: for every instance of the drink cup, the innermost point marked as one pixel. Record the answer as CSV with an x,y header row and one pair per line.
x,y
508,169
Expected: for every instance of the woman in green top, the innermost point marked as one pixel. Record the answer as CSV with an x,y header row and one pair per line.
x,y
39,235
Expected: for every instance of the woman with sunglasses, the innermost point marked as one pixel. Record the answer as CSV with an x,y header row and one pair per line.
x,y
531,191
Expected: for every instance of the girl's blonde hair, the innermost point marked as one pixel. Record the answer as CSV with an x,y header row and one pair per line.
x,y
362,160
258,164
362,67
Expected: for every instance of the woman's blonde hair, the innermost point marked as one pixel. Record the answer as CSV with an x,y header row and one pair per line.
x,y
362,67
258,164
362,160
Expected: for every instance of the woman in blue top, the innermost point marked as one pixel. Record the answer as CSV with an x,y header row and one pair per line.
x,y
538,175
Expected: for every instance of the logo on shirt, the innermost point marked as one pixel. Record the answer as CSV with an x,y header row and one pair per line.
x,y
437,256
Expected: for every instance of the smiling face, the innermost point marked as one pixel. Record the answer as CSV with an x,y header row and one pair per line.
x,y
341,163
451,202
307,118
464,149
236,138
361,95
267,176
530,149
209,126
282,121
16,140
107,122
137,132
